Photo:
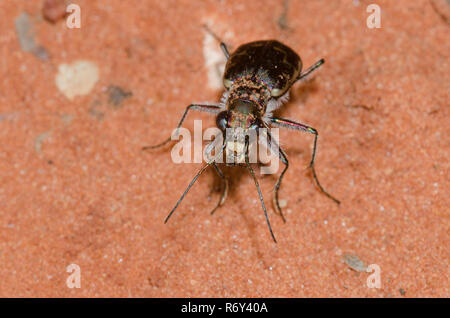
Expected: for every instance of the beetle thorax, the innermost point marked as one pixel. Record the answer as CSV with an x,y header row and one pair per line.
x,y
251,90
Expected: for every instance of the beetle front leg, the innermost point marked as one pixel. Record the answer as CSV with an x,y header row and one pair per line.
x,y
223,197
252,173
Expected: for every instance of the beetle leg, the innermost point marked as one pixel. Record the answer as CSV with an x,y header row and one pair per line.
x,y
307,72
270,143
225,51
310,69
209,148
225,188
298,126
204,108
223,46
257,186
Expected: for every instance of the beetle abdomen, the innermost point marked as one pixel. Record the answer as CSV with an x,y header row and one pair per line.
x,y
270,63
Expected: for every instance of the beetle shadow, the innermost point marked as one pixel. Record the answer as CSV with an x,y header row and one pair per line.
x,y
234,175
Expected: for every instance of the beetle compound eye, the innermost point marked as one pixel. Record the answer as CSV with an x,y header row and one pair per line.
x,y
222,120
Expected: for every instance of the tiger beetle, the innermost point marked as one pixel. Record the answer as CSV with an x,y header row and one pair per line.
x,y
257,79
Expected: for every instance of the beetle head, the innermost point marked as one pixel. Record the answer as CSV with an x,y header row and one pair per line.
x,y
239,121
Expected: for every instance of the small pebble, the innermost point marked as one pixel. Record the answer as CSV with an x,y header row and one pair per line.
x,y
117,95
54,10
283,203
39,139
26,34
354,262
78,78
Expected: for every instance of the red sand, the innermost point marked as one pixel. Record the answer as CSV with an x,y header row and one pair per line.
x,y
76,188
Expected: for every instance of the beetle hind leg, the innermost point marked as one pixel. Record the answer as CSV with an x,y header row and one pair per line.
x,y
311,69
223,46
